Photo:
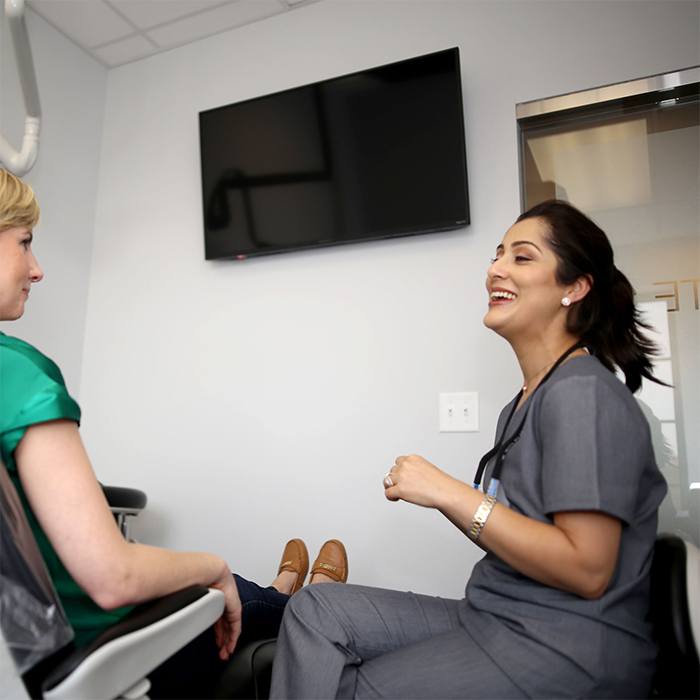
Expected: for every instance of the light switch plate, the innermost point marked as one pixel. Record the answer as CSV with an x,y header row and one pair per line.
x,y
459,412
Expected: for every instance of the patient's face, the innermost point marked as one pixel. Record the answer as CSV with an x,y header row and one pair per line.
x,y
19,269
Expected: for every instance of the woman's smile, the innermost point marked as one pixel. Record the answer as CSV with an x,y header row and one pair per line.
x,y
499,296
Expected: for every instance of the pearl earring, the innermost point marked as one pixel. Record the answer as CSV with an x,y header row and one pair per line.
x,y
566,301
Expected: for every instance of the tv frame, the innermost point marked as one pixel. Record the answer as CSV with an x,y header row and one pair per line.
x,y
384,235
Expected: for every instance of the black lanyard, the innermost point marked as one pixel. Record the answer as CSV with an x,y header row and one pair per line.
x,y
501,448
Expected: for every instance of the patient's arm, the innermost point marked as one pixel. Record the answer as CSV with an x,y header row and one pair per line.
x,y
68,501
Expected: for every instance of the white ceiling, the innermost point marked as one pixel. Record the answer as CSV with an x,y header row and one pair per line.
x,y
119,31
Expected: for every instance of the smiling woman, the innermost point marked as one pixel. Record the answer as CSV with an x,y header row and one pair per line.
x,y
566,514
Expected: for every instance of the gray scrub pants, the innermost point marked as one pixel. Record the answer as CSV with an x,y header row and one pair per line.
x,y
357,642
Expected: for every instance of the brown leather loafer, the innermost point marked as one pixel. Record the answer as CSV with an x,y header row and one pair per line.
x,y
332,560
295,558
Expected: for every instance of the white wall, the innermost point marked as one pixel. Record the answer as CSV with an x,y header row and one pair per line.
x,y
72,93
265,400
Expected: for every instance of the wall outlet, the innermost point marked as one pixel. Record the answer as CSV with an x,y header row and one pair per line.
x,y
459,412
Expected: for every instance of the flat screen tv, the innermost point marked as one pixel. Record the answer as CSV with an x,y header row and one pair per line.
x,y
370,155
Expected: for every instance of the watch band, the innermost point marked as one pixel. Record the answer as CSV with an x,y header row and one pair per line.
x,y
480,517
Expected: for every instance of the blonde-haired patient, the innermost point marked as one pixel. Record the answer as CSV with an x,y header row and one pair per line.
x,y
564,505
98,575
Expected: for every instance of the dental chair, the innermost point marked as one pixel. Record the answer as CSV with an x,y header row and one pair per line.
x,y
37,656
248,673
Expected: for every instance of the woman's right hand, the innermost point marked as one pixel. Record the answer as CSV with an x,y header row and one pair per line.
x,y
227,628
415,480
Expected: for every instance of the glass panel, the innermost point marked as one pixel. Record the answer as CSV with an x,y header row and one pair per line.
x,y
633,165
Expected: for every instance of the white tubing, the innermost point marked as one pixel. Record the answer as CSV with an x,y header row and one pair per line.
x,y
20,162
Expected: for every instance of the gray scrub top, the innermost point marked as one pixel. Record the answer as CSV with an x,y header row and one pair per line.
x,y
585,445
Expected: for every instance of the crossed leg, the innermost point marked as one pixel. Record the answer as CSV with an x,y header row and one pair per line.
x,y
359,642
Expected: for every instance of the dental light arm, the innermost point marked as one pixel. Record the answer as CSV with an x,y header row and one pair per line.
x,y
21,162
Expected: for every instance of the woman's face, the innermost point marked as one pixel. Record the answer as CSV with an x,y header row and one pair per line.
x,y
18,271
524,295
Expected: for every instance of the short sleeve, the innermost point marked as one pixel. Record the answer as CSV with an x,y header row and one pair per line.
x,y
592,447
31,391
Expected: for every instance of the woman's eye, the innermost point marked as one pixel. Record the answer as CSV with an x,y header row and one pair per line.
x,y
521,258
26,243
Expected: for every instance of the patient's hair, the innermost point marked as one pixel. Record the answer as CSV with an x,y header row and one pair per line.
x,y
606,319
18,205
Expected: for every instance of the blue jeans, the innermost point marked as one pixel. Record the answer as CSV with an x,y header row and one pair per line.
x,y
262,610
195,670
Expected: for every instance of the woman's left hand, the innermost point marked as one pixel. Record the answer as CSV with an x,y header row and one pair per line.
x,y
415,480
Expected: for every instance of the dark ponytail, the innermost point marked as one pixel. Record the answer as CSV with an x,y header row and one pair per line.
x,y
606,319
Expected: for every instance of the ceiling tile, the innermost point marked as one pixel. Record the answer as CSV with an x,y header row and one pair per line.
x,y
125,50
149,13
214,21
88,22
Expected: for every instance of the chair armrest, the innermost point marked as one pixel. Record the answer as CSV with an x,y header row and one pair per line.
x,y
123,500
123,503
131,649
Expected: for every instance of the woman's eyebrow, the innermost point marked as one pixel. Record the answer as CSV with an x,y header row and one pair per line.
x,y
517,243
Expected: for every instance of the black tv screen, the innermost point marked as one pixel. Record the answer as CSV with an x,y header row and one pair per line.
x,y
374,154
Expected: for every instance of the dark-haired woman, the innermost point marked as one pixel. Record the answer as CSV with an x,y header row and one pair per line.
x,y
565,506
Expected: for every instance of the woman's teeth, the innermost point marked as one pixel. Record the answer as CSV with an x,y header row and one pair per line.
x,y
502,295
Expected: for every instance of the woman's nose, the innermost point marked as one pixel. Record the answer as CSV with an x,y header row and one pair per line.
x,y
496,269
36,274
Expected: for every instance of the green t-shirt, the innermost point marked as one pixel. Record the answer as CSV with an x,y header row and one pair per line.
x,y
32,391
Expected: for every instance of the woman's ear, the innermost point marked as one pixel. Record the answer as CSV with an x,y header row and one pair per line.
x,y
580,288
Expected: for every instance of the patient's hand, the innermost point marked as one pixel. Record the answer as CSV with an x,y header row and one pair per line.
x,y
228,627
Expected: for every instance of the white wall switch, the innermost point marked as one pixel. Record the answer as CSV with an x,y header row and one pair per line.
x,y
459,412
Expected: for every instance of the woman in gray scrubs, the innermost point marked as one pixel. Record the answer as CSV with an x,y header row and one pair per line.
x,y
565,506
